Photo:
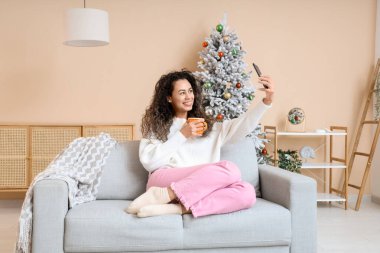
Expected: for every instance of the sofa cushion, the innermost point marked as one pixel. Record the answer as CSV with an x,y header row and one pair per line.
x,y
243,154
264,224
123,176
103,226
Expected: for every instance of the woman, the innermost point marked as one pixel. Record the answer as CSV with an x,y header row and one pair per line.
x,y
186,174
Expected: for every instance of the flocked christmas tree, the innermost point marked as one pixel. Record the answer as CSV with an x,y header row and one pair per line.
x,y
258,138
225,81
226,86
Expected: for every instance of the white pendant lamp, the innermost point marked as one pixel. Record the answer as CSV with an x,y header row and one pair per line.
x,y
86,27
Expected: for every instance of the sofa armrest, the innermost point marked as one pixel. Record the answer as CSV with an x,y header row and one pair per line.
x,y
50,205
297,193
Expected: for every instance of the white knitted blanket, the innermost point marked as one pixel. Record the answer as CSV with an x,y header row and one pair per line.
x,y
80,165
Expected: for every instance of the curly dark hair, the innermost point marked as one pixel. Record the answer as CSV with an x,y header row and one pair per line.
x,y
159,115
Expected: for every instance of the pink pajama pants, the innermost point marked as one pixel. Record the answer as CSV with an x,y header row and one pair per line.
x,y
213,188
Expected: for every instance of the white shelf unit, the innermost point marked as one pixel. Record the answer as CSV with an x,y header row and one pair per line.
x,y
327,197
333,194
311,166
330,133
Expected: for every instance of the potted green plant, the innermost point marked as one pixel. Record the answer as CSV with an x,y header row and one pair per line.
x,y
289,160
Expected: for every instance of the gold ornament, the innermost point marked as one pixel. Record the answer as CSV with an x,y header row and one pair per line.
x,y
226,38
227,95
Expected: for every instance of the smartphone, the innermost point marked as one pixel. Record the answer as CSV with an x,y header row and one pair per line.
x,y
259,73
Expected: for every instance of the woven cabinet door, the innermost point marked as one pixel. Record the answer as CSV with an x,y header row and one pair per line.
x,y
49,141
13,157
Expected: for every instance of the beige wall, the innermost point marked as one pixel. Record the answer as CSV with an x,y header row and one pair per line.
x,y
319,52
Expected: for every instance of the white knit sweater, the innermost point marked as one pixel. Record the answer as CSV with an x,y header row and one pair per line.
x,y
179,151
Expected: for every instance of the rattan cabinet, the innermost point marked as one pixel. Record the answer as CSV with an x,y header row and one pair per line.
x,y
14,162
27,150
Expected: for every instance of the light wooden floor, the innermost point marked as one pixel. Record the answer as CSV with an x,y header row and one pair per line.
x,y
339,231
9,213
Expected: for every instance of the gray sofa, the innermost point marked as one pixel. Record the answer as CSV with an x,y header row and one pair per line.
x,y
282,220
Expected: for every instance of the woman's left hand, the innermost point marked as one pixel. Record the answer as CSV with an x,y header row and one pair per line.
x,y
269,92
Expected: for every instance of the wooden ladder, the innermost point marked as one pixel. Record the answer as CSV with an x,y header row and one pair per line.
x,y
355,152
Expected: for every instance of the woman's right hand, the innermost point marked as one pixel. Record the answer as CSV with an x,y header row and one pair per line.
x,y
190,129
269,91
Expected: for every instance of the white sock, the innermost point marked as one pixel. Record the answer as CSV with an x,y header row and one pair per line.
x,y
154,210
153,196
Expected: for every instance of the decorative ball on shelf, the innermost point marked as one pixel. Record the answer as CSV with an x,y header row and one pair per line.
x,y
234,51
207,85
219,117
219,27
244,75
238,85
226,38
296,116
307,152
204,44
227,95
221,54
202,61
251,97
264,151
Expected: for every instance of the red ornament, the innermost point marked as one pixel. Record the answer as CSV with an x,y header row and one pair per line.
x,y
264,151
238,85
219,117
221,54
296,118
204,44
